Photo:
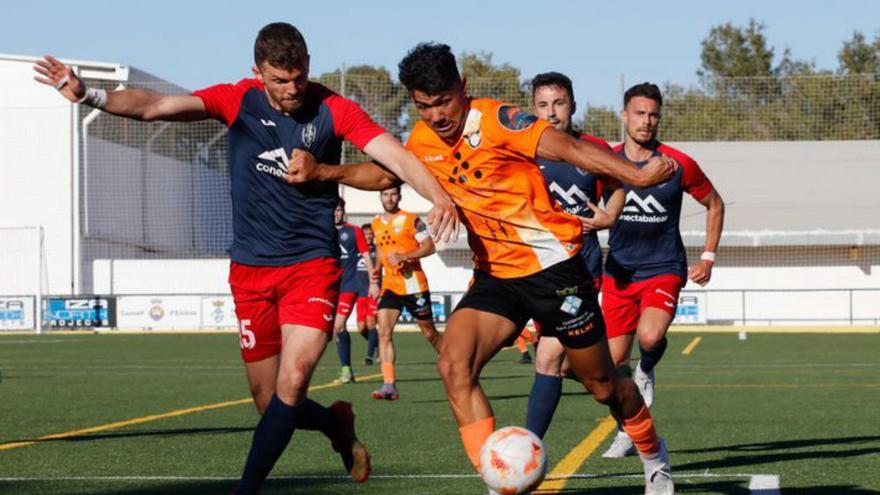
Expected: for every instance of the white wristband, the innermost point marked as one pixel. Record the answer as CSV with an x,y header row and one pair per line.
x,y
708,256
94,98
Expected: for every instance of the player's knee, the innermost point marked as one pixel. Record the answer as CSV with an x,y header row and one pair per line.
x,y
651,339
547,363
454,372
603,389
261,395
626,391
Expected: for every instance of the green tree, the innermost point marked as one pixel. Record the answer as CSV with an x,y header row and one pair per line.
x,y
377,93
732,51
374,90
859,57
488,80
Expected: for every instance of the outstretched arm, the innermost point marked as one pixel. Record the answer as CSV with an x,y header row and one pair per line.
x,y
132,103
368,176
559,146
442,218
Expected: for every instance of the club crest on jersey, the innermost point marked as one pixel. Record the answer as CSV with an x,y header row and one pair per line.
x,y
514,119
343,236
471,130
309,133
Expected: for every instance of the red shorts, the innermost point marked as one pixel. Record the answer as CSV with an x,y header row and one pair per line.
x,y
623,303
267,297
366,307
346,303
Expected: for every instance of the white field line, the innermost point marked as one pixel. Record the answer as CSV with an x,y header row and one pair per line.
x,y
759,484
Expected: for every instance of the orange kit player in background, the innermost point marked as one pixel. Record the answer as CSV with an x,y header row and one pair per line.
x,y
401,240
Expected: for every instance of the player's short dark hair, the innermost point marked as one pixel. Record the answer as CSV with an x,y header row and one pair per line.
x,y
281,45
552,79
340,202
430,68
395,186
367,226
645,90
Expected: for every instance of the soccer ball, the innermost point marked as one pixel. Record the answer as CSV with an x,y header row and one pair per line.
x,y
513,461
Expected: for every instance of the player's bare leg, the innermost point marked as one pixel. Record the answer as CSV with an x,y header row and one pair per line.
x,y
596,370
549,356
387,318
471,339
262,376
429,331
289,408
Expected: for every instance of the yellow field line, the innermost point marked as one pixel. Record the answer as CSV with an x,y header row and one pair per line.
x,y
576,457
156,417
828,330
693,345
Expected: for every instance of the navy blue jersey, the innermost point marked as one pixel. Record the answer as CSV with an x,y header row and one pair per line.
x,y
363,276
645,241
352,244
572,187
275,223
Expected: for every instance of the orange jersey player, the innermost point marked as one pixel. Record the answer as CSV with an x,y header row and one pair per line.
x,y
401,240
526,248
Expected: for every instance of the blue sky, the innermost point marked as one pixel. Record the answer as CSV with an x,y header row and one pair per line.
x,y
198,43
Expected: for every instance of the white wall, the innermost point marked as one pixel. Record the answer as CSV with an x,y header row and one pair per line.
x,y
36,152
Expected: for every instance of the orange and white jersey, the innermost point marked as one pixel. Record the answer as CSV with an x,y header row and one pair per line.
x,y
402,233
515,228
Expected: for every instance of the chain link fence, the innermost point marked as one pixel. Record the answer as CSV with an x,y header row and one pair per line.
x,y
161,190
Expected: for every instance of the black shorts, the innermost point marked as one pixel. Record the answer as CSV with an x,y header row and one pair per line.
x,y
561,299
418,305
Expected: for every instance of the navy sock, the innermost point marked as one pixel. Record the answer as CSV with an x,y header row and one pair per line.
x,y
372,342
313,416
271,437
651,358
543,399
343,347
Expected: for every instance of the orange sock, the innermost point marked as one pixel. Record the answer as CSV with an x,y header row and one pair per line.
x,y
527,335
640,429
474,435
388,372
521,345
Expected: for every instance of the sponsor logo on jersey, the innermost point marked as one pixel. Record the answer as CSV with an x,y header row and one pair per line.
x,y
573,196
268,123
273,162
643,210
433,158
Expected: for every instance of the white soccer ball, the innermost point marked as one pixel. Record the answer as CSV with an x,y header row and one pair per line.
x,y
513,461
